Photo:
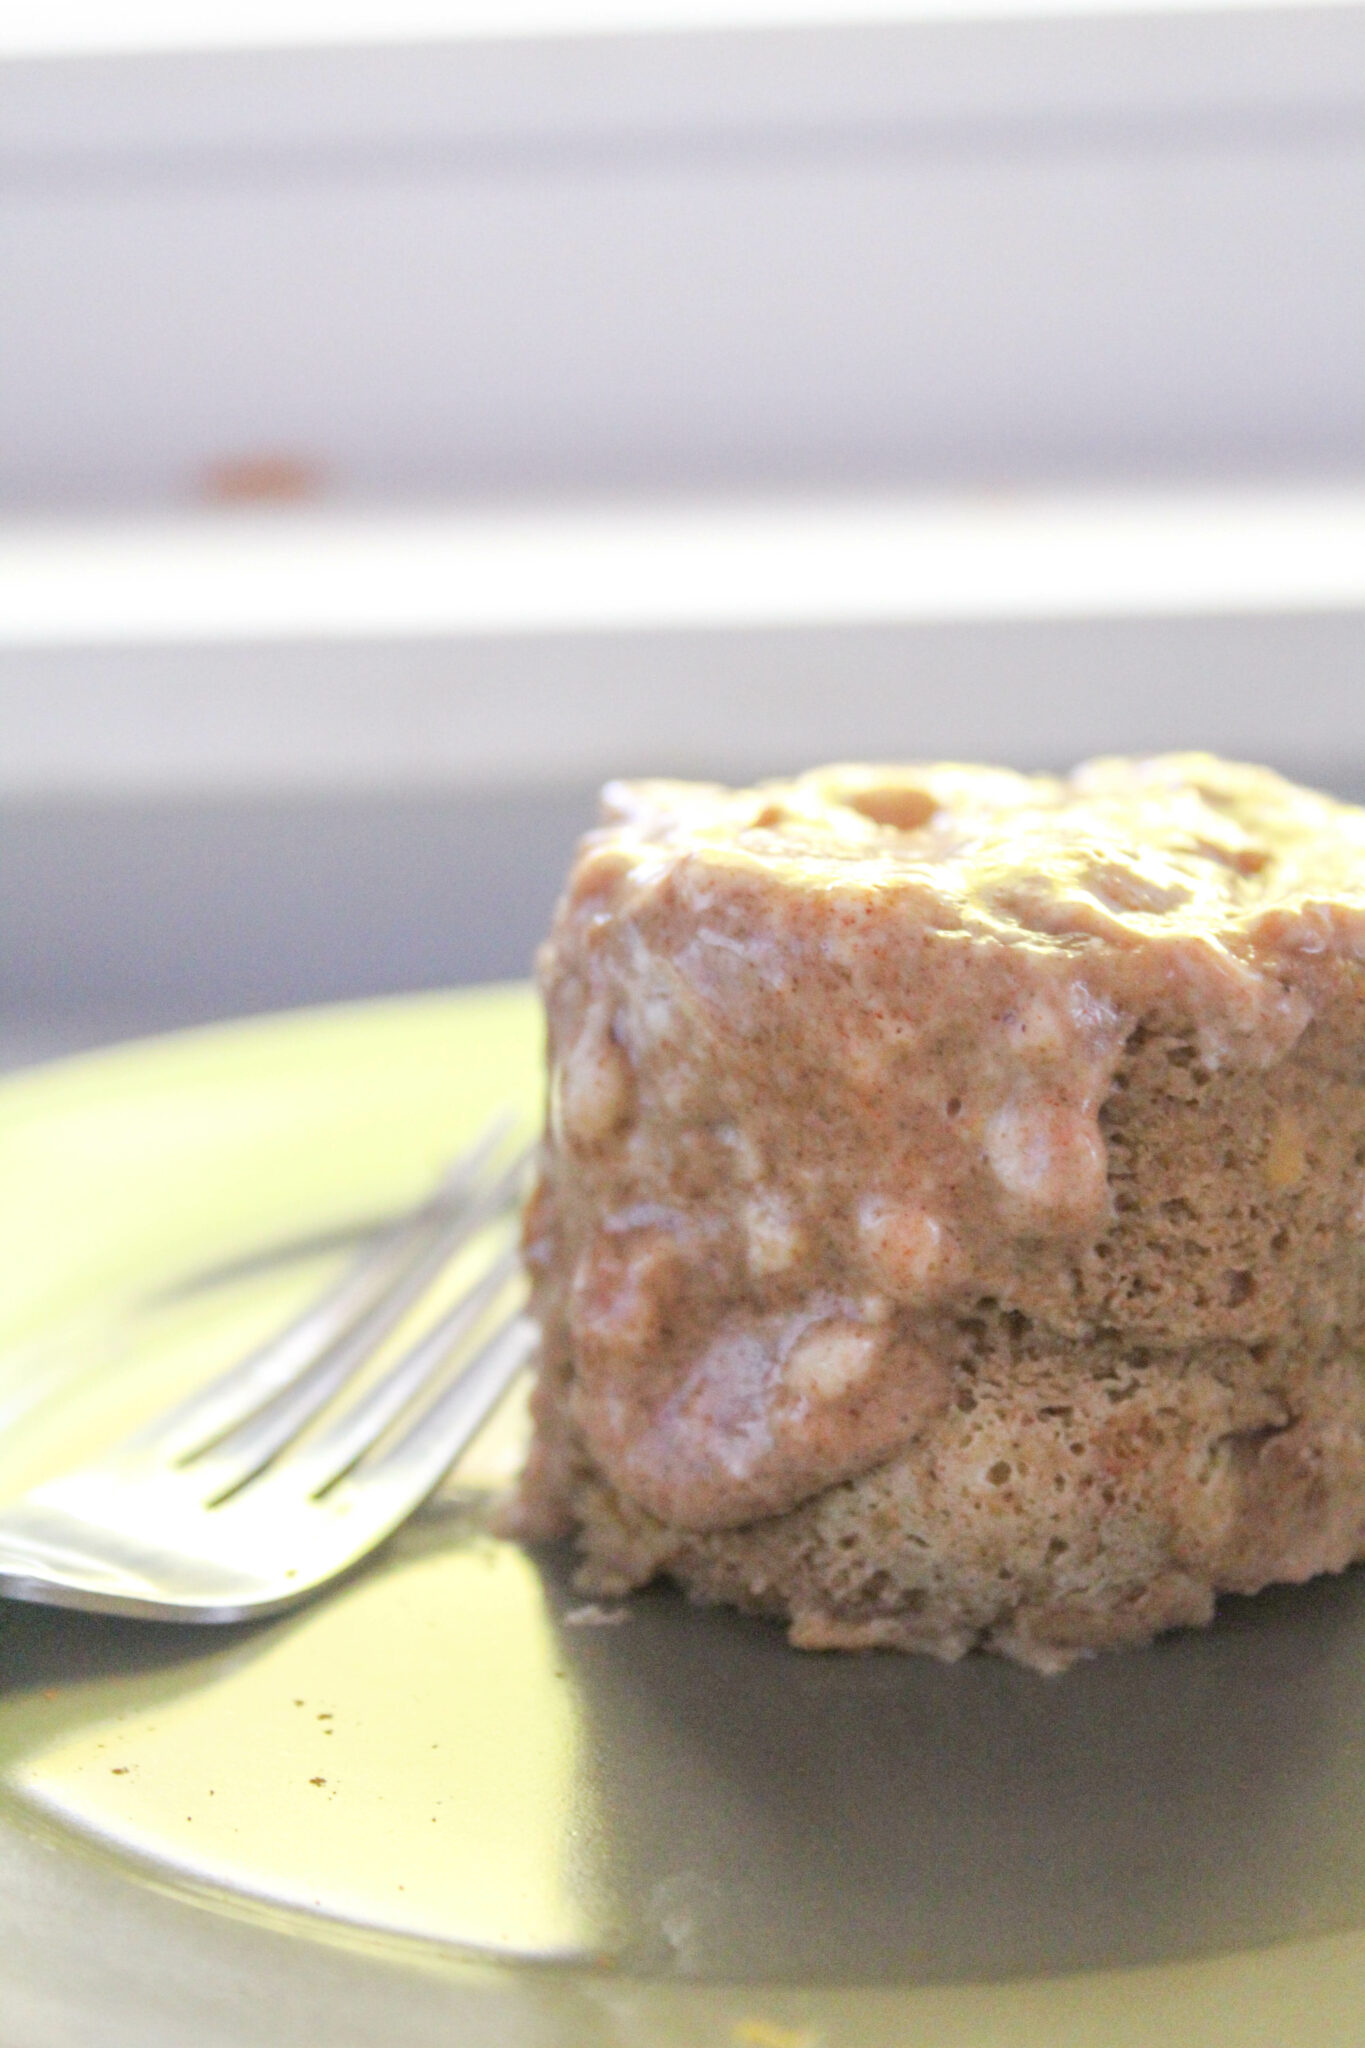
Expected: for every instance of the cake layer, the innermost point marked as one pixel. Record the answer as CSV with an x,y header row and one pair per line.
x,y
937,1155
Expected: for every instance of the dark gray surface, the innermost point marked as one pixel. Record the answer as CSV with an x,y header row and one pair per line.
x,y
121,917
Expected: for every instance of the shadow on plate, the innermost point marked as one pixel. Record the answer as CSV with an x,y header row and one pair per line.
x,y
726,1808
777,1815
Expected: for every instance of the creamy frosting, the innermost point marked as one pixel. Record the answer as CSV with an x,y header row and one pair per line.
x,y
829,1057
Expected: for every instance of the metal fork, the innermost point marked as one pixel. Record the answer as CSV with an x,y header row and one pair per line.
x,y
217,1511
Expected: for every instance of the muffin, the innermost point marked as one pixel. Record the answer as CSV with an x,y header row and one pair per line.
x,y
950,1227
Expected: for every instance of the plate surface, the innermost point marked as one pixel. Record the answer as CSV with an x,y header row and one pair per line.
x,y
447,1802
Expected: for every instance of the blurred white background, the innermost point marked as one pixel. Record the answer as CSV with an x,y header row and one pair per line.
x,y
411,414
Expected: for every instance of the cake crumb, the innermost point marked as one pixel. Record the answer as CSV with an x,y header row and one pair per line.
x,y
950,1227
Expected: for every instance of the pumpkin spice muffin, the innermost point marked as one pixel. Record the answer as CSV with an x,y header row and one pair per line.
x,y
951,1219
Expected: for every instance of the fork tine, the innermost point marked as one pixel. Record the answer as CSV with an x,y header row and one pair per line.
x,y
229,1461
414,1467
212,1411
344,1442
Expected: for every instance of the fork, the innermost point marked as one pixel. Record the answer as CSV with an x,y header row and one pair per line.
x,y
226,1508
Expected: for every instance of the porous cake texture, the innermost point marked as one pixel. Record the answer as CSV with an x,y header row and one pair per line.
x,y
951,1218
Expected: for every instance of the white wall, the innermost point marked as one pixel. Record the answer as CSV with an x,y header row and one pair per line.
x,y
1101,244
247,760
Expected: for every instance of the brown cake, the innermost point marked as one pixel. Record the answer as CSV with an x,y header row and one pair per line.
x,y
951,1222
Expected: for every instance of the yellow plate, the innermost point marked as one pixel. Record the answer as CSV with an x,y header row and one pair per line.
x,y
447,1804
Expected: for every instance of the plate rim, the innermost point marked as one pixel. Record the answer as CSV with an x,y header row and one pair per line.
x,y
1245,1995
